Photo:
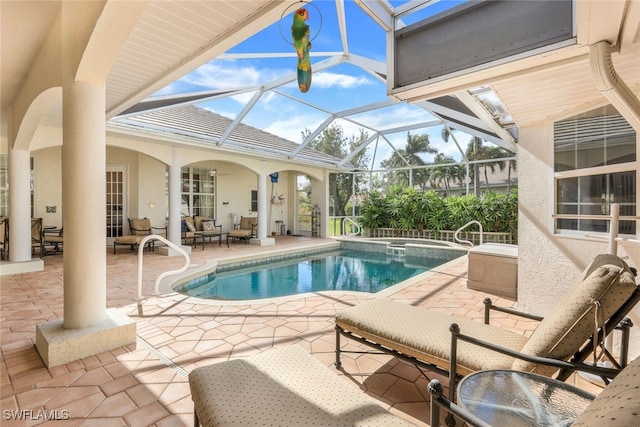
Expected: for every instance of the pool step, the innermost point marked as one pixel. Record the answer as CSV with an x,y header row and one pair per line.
x,y
395,250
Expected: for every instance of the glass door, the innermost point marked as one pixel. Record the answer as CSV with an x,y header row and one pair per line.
x,y
116,201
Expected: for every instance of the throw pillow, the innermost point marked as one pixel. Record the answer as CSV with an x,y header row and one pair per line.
x,y
190,226
209,226
183,226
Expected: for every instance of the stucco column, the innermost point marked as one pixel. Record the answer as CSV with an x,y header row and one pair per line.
x,y
175,199
84,204
262,206
19,206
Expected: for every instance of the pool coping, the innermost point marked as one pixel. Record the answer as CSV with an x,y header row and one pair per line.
x,y
168,284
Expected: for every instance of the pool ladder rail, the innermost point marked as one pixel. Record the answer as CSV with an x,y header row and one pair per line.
x,y
156,288
355,228
458,239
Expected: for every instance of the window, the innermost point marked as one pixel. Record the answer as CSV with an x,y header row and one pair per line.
x,y
254,201
595,166
4,185
198,192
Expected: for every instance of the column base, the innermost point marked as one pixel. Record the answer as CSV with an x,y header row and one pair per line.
x,y
8,267
58,345
267,241
169,251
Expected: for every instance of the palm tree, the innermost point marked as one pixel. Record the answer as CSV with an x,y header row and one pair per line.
x,y
410,155
446,173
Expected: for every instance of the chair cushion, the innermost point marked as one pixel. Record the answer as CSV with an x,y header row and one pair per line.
x,y
129,240
197,221
282,387
239,233
189,223
424,334
209,225
247,222
604,286
618,404
140,226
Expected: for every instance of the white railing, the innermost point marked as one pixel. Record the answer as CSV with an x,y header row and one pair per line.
x,y
354,225
156,288
455,235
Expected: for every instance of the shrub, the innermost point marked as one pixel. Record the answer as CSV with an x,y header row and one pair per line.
x,y
407,208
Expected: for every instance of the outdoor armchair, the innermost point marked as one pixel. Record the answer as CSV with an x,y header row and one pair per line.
x,y
140,228
245,230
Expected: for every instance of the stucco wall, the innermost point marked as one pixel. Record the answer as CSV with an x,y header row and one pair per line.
x,y
47,184
547,264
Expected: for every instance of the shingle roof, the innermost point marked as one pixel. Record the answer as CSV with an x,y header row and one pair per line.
x,y
207,127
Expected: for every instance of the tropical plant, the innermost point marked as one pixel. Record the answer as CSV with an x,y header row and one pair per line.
x,y
409,156
333,142
407,208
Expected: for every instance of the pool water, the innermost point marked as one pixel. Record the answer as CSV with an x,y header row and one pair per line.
x,y
342,270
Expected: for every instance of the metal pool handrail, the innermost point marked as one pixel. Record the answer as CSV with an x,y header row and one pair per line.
x,y
166,273
455,235
354,224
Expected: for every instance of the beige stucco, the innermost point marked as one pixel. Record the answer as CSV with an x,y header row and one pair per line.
x,y
547,263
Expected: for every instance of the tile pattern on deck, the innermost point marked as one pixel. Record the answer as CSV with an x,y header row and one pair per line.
x,y
147,385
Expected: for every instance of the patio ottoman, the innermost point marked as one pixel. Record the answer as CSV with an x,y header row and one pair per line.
x,y
493,268
281,387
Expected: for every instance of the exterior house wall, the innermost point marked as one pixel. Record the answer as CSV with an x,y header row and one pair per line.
x,y
47,182
151,200
548,264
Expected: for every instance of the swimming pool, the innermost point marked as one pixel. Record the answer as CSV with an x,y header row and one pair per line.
x,y
343,270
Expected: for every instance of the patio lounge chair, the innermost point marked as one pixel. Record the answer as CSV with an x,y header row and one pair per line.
x,y
140,228
618,404
605,293
281,387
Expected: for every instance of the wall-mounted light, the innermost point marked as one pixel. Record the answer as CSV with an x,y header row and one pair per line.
x,y
152,205
51,209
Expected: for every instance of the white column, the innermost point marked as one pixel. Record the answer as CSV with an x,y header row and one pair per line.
x,y
84,203
262,206
175,199
19,206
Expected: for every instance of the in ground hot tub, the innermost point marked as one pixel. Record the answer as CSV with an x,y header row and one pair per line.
x,y
493,268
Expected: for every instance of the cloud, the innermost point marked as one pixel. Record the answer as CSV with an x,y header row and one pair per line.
x,y
327,80
230,74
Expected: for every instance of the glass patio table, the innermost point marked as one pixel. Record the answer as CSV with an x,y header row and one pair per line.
x,y
513,398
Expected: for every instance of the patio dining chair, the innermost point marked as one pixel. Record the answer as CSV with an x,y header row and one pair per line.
x,y
4,241
598,301
37,237
53,241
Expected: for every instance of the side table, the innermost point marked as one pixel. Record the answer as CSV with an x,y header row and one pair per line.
x,y
513,398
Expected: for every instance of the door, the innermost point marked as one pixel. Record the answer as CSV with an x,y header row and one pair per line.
x,y
116,201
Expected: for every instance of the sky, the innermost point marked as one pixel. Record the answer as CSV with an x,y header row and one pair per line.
x,y
336,89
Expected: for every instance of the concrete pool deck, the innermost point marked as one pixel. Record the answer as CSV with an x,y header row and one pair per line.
x,y
147,385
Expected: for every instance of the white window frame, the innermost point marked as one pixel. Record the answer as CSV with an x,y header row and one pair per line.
x,y
587,172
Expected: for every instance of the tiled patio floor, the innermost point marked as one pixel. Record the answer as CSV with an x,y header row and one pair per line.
x,y
147,385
